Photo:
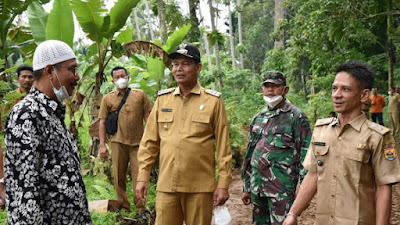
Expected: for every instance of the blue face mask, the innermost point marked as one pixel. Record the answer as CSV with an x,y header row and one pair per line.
x,y
61,93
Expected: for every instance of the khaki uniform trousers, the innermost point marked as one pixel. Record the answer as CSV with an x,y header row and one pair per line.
x,y
394,121
193,208
121,156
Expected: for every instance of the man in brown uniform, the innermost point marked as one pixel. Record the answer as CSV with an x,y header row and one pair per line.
x,y
393,109
351,161
124,143
188,127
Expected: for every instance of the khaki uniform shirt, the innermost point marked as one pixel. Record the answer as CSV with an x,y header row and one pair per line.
x,y
189,133
130,119
349,164
394,102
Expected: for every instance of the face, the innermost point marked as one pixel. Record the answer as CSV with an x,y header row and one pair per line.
x,y
374,91
25,79
347,94
185,70
271,89
67,72
117,74
397,89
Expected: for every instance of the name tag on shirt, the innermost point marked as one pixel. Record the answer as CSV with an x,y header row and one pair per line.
x,y
166,110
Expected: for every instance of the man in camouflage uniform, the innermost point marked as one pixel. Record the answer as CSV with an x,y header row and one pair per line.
x,y
278,141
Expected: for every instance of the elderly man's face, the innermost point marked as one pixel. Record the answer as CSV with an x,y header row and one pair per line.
x,y
67,72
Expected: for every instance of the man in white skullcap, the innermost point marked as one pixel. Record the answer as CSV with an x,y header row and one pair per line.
x,y
42,165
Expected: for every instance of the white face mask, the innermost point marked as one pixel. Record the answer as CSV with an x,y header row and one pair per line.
x,y
61,93
122,83
272,102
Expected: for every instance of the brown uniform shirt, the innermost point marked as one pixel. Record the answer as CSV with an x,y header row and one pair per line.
x,y
130,119
394,102
349,164
187,131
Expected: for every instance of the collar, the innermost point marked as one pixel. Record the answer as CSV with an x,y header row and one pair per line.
x,y
195,90
18,91
355,123
119,92
54,106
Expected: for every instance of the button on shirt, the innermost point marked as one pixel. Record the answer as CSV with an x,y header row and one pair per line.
x,y
278,142
42,166
187,131
349,163
130,119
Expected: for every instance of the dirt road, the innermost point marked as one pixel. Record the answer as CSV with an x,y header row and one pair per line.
x,y
242,215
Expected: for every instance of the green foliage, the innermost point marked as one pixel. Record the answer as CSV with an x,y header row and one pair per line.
x,y
176,38
60,24
37,21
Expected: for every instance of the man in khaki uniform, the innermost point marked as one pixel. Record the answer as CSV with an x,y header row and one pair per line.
x,y
351,161
393,109
124,143
188,127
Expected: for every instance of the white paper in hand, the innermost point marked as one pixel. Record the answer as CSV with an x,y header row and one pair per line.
x,y
221,215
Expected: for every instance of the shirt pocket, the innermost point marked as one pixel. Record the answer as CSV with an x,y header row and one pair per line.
x,y
200,125
165,124
355,163
280,138
321,156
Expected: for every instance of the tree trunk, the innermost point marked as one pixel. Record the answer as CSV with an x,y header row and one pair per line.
x,y
195,31
146,3
207,47
240,31
216,48
137,23
231,40
163,26
279,15
390,46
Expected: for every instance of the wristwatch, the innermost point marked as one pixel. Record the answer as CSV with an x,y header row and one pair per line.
x,y
2,180
292,214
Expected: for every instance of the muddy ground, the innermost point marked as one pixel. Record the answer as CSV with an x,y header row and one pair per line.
x,y
241,214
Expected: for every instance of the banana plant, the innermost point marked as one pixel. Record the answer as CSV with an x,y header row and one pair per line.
x,y
101,26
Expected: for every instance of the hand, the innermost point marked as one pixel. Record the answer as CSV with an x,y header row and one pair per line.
x,y
290,220
246,198
2,197
220,196
141,192
103,151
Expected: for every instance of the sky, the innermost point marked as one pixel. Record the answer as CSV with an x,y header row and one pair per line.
x,y
204,8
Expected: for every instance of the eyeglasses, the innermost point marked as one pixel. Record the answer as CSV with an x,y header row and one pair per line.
x,y
72,69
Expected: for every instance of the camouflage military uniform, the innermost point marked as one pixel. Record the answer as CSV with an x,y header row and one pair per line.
x,y
278,142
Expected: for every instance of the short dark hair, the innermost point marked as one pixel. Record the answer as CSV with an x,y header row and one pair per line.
x,y
23,67
118,68
38,73
361,71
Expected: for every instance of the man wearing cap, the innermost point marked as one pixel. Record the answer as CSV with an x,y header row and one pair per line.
x,y
352,162
125,142
42,165
188,127
278,140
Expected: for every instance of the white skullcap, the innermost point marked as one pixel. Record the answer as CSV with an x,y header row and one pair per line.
x,y
51,52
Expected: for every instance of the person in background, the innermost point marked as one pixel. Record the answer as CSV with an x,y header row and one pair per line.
x,y
24,78
377,104
188,128
43,178
352,162
278,140
125,142
393,110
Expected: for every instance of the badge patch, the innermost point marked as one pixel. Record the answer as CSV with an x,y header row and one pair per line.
x,y
166,110
390,153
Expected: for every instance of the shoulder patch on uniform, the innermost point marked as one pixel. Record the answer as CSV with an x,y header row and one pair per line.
x,y
165,91
325,121
212,92
378,128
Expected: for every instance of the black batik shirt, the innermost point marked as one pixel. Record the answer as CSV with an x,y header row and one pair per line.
x,y
42,167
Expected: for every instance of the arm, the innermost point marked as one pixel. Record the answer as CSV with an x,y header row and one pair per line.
x,y
22,140
224,155
102,136
302,135
307,190
146,107
383,204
